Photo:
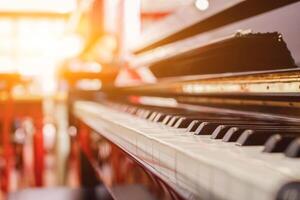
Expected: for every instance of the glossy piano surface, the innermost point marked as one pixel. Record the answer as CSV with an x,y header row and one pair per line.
x,y
214,110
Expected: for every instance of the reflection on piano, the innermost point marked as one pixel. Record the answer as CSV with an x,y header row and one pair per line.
x,y
221,120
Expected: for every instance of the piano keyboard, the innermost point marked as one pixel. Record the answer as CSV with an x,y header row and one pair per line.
x,y
204,155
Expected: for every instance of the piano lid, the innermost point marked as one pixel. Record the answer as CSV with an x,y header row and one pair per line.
x,y
189,21
240,53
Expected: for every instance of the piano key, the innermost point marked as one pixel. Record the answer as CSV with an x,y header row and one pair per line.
x,y
173,120
132,110
278,143
252,138
205,128
139,112
159,117
152,116
166,119
259,137
156,146
146,114
290,190
182,123
293,150
208,128
193,126
220,131
233,134
175,125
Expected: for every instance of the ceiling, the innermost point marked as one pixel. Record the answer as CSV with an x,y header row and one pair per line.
x,y
56,6
163,5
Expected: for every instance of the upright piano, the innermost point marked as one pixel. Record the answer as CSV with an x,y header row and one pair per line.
x,y
214,112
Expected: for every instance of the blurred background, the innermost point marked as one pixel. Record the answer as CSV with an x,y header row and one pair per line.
x,y
38,36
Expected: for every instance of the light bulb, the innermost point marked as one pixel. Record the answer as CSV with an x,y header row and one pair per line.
x,y
202,4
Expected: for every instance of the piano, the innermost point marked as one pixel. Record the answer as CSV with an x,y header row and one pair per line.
x,y
215,114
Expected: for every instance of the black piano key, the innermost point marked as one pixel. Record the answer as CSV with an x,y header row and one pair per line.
x,y
218,129
173,120
145,114
179,121
206,128
252,138
152,116
220,132
159,117
193,126
166,119
183,122
289,191
293,150
233,134
175,125
278,143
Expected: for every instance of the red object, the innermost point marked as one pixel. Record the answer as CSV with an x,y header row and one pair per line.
x,y
155,15
84,138
14,109
22,109
38,153
7,148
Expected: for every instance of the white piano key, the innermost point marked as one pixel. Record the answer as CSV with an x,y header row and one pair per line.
x,y
207,168
220,183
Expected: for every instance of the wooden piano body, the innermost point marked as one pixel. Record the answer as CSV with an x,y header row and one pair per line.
x,y
228,135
